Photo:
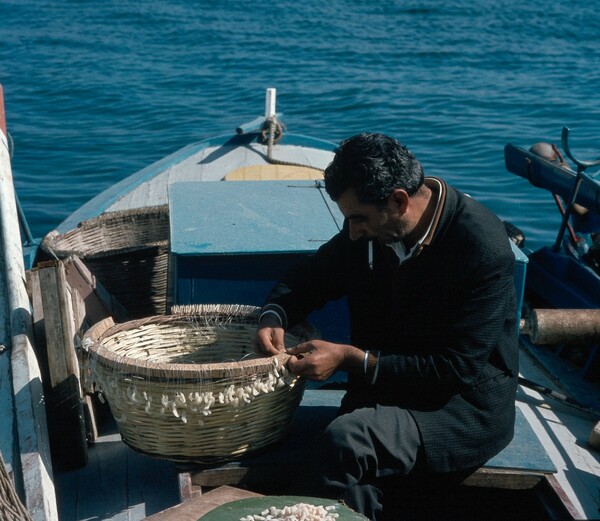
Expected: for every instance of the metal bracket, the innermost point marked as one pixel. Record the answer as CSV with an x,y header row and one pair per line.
x,y
581,167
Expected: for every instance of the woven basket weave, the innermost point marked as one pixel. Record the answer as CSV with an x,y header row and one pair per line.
x,y
189,386
128,253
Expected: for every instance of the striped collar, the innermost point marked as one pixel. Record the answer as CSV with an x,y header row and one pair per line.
x,y
438,188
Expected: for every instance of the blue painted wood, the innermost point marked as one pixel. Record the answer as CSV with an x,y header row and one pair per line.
x,y
563,281
232,241
544,174
525,452
241,217
520,274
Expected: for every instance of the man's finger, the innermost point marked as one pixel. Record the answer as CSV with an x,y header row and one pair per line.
x,y
303,348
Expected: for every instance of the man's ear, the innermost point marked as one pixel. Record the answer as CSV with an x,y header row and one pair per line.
x,y
400,199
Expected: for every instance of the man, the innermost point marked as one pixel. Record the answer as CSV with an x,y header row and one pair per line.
x,y
433,365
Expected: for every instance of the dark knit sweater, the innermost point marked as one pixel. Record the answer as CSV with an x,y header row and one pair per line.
x,y
444,322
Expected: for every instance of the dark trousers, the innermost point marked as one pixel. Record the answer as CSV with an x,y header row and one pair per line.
x,y
358,453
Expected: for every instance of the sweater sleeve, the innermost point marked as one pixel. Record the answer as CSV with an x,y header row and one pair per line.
x,y
481,320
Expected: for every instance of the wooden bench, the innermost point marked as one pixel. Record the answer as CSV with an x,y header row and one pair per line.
x,y
521,465
195,508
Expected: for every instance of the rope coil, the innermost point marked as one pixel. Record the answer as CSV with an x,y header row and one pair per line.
x,y
272,132
11,508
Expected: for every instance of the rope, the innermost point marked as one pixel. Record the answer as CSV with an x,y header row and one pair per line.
x,y
11,508
272,132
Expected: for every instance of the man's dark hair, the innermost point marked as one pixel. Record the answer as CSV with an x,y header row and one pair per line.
x,y
373,165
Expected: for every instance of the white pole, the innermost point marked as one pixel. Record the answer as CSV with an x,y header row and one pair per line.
x,y
40,498
270,103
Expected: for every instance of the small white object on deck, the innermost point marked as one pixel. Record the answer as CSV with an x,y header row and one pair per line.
x,y
298,512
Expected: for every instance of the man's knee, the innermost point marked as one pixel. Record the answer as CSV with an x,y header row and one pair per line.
x,y
385,438
345,433
348,444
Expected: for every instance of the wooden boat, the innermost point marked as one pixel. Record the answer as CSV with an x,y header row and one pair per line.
x,y
564,280
566,274
215,222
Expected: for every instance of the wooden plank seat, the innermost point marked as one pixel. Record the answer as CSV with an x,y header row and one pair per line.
x,y
521,465
196,508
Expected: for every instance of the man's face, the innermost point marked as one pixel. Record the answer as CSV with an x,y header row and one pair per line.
x,y
368,221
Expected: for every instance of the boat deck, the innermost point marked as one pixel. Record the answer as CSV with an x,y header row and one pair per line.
x,y
121,484
564,432
117,484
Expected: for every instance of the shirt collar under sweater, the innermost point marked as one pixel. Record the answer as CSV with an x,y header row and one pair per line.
x,y
437,187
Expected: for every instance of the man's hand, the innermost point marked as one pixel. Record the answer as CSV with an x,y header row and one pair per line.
x,y
269,341
318,360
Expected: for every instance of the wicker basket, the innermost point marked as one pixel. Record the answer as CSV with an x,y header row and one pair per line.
x,y
127,251
189,387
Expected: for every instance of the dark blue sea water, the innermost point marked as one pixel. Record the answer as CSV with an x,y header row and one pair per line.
x,y
96,90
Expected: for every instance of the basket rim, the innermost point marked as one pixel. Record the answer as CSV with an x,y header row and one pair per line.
x,y
53,242
106,328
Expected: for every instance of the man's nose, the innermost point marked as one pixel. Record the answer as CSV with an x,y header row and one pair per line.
x,y
357,231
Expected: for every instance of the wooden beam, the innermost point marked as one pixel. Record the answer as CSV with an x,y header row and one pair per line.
x,y
196,508
65,403
228,474
508,479
58,323
35,468
565,506
186,492
90,303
